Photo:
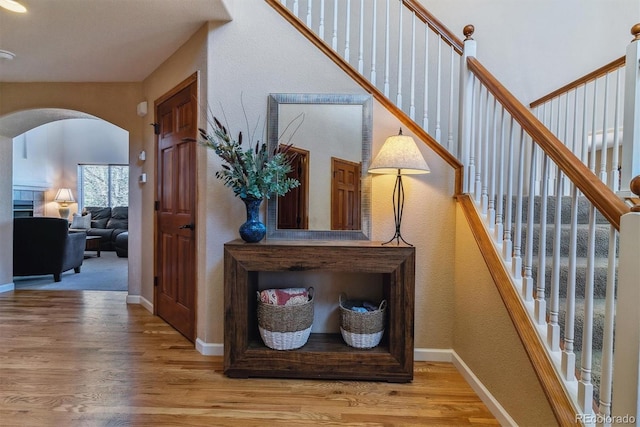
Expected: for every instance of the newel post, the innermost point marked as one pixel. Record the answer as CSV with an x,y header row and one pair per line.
x,y
466,107
626,354
631,121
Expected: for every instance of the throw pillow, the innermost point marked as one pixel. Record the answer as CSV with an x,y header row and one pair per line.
x,y
81,222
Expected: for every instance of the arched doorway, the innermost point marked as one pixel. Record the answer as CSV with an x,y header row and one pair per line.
x,y
46,147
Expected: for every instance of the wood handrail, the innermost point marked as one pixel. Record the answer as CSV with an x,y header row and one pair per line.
x,y
613,65
595,190
540,360
433,23
407,122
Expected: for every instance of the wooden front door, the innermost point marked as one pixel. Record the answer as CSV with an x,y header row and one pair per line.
x,y
175,289
345,195
292,207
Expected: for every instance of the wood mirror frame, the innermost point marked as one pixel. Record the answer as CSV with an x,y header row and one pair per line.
x,y
276,100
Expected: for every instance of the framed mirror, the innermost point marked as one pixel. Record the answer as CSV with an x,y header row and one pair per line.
x,y
331,136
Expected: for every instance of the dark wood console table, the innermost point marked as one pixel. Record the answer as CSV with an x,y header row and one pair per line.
x,y
324,355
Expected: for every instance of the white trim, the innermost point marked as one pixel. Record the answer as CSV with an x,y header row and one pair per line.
x,y
433,355
209,349
7,287
138,299
485,395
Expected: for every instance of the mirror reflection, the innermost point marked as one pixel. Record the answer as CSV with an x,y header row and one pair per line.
x,y
332,147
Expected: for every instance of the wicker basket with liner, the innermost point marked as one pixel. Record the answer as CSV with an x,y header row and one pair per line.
x,y
285,327
361,329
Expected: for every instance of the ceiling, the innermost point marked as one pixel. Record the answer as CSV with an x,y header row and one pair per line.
x,y
98,40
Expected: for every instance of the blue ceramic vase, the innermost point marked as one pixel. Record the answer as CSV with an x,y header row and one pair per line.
x,y
253,230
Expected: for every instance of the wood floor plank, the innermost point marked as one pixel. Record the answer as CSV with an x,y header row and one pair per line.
x,y
86,358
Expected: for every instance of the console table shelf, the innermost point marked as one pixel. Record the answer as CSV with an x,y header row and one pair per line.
x,y
325,355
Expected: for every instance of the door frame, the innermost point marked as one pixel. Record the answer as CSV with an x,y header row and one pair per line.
x,y
192,79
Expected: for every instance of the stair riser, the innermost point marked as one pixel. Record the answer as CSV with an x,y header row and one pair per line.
x,y
581,244
583,210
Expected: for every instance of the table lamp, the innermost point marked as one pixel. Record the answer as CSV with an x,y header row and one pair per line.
x,y
64,197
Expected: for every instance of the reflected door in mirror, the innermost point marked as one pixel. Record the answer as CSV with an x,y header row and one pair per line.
x,y
293,206
345,194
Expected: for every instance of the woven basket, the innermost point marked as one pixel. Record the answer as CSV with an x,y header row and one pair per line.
x,y
285,327
362,330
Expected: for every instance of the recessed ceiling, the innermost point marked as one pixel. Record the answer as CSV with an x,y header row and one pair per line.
x,y
98,40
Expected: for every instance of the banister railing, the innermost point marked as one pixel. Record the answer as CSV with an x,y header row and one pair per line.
x,y
544,207
595,190
566,270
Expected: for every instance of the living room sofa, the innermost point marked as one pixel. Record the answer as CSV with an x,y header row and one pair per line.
x,y
43,245
109,223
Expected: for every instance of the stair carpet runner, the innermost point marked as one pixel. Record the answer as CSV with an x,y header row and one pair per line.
x,y
581,246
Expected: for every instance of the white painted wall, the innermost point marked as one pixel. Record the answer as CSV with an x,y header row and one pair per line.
x,y
48,156
536,46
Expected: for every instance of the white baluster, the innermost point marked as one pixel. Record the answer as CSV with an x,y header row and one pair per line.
x,y
438,134
334,35
386,53
425,117
614,182
603,150
347,40
499,227
516,262
491,211
540,302
450,124
400,45
309,7
321,25
473,143
606,376
412,105
479,144
507,242
527,281
485,160
584,152
568,364
553,328
361,44
374,44
295,7
592,155
585,387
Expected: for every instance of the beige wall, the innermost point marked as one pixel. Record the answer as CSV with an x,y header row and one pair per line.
x,y
247,63
485,338
189,59
6,212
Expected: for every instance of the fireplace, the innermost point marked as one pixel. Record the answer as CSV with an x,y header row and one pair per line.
x,y
22,208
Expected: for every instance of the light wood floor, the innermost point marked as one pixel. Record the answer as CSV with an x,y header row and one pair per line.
x,y
71,358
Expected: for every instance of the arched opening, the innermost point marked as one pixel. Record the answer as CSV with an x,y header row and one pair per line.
x,y
57,148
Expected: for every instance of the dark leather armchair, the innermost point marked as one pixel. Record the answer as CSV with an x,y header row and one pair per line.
x,y
43,245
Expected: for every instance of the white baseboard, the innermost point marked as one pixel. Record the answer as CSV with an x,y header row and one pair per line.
x,y
209,349
7,287
485,395
138,299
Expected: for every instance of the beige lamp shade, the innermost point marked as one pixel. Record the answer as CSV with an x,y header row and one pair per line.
x,y
399,155
64,196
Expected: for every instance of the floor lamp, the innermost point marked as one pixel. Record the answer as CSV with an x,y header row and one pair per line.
x,y
399,156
